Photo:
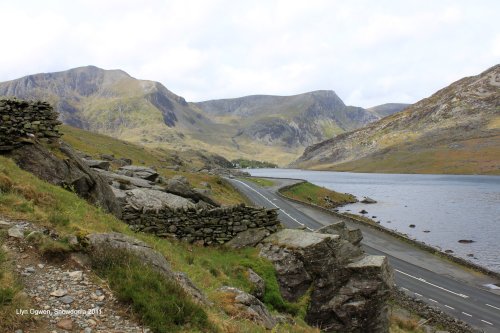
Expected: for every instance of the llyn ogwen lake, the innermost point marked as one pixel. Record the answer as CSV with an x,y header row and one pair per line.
x,y
448,207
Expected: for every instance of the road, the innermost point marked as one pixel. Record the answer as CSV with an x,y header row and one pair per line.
x,y
439,283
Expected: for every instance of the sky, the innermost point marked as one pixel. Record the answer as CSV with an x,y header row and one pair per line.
x,y
368,52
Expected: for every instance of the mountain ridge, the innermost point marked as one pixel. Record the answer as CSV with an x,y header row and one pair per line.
x,y
458,126
264,127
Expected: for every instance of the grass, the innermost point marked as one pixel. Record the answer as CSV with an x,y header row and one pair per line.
x,y
320,196
161,304
208,267
260,181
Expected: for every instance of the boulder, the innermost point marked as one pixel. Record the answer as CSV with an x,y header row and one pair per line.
x,y
180,186
368,200
248,306
353,236
248,238
97,164
125,161
258,284
139,172
15,232
126,182
348,290
71,173
148,256
108,157
151,200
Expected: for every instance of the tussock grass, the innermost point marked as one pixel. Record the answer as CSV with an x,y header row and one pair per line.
x,y
161,304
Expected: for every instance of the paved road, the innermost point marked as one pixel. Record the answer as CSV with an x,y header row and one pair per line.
x,y
436,286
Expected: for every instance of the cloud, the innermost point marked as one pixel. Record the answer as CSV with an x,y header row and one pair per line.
x,y
368,52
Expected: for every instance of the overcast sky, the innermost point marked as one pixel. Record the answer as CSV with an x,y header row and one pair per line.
x,y
369,52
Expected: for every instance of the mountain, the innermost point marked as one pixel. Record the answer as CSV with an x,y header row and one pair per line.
x,y
387,109
456,130
111,102
288,121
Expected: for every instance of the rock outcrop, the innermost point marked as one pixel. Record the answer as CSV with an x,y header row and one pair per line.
x,y
70,172
353,236
348,289
179,185
248,238
139,172
250,307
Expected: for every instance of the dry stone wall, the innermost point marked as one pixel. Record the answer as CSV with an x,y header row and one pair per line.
x,y
214,226
22,121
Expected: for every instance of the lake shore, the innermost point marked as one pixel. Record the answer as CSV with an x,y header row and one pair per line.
x,y
447,232
393,233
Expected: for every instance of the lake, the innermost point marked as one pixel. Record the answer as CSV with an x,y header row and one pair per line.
x,y
448,207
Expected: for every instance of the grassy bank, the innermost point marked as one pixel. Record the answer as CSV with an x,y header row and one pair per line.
x,y
260,181
317,195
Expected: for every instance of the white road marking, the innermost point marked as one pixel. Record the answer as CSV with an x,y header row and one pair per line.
x,y
433,300
491,306
418,294
449,307
465,313
272,203
432,284
487,322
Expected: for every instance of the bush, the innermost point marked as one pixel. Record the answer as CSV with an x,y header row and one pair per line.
x,y
161,304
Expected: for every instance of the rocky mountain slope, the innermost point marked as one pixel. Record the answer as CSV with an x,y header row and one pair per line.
x,y
456,130
111,102
291,121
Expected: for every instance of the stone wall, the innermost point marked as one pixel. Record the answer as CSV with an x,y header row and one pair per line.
x,y
214,226
22,121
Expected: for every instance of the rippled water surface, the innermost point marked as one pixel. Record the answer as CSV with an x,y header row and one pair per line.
x,y
450,207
